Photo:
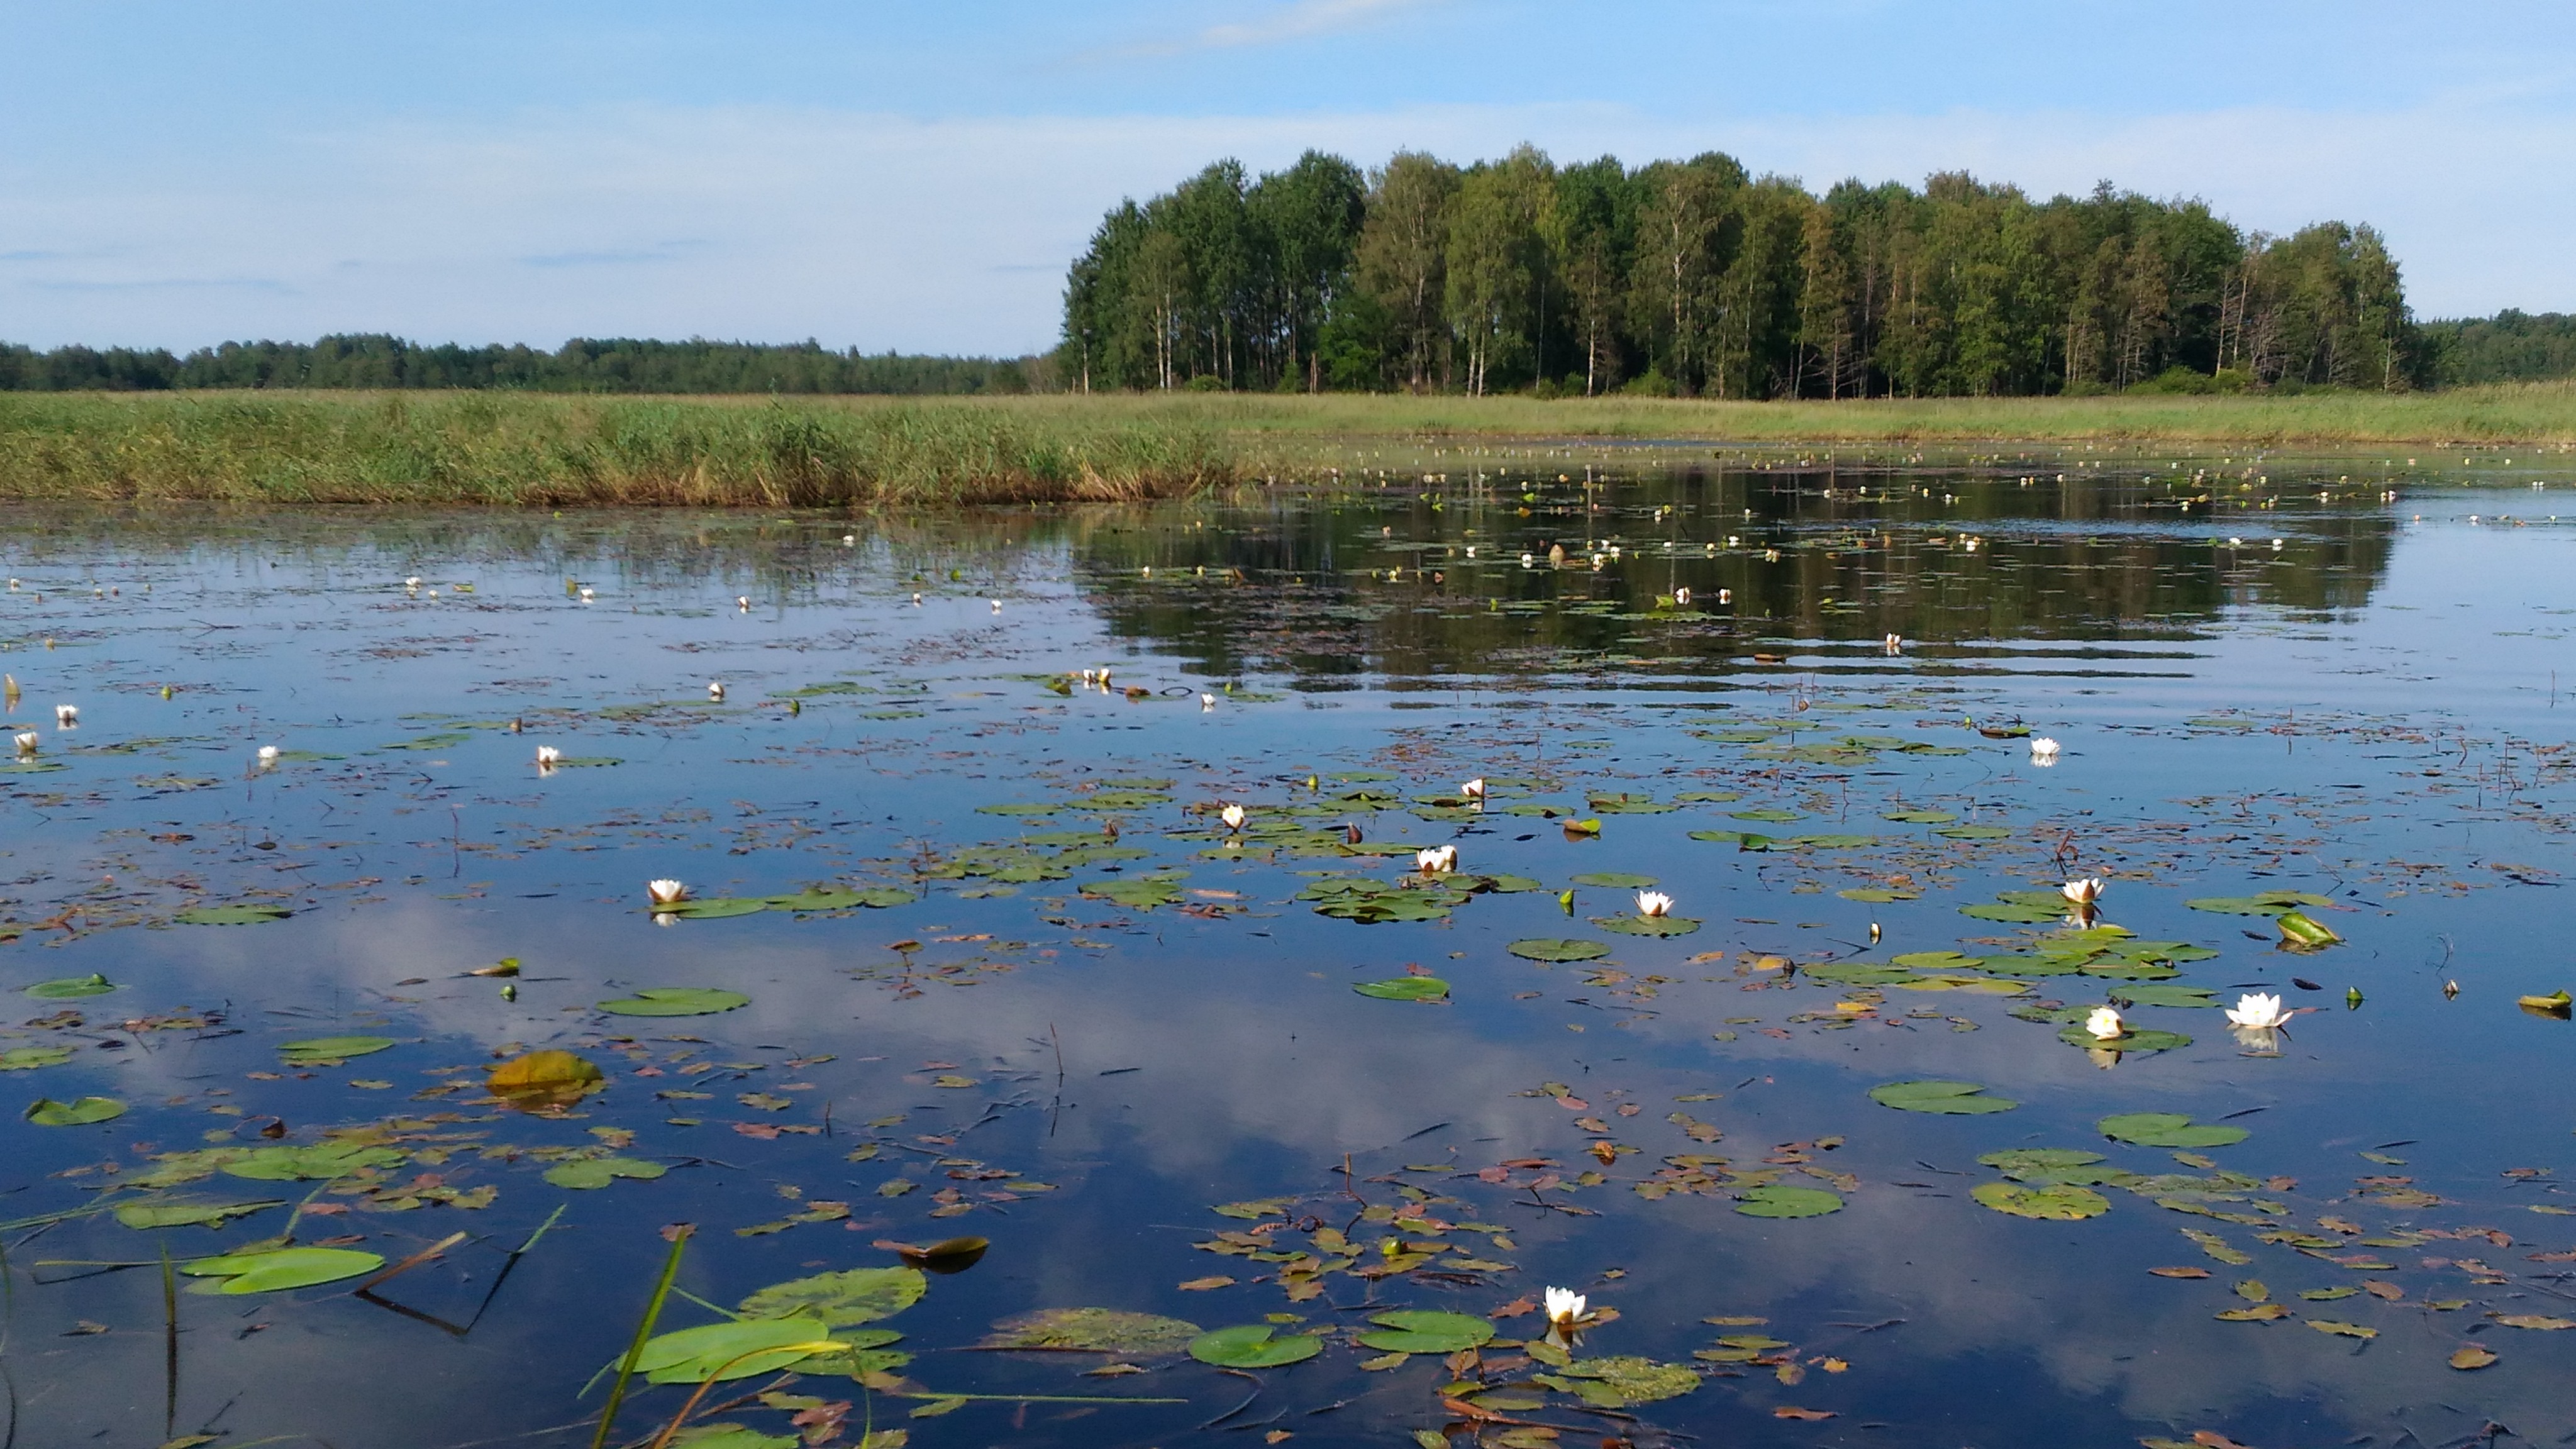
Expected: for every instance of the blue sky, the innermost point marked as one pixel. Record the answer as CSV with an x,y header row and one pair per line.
x,y
916,176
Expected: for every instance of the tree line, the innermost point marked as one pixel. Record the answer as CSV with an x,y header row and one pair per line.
x,y
2511,346
615,365
1699,279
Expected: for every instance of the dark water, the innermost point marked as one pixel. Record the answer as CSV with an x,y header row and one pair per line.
x,y
1096,1019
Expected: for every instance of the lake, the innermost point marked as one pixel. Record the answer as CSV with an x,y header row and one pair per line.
x,y
1285,1124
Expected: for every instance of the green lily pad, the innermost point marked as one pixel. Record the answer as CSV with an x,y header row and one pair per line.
x,y
1511,885
1873,895
2167,1129
320,1162
2054,1203
713,908
282,1268
1857,973
1093,1330
1959,1099
1619,1383
231,915
27,1059
1774,815
2138,1040
1617,880
587,1173
1832,842
2010,911
730,1436
1405,988
331,1051
717,1351
1647,925
2304,932
676,1001
1423,1331
857,1295
187,1214
2020,1159
2163,996
1974,832
46,1112
1622,803
842,899
2262,903
1548,948
1138,893
1773,1201
1252,1346
71,988
1920,817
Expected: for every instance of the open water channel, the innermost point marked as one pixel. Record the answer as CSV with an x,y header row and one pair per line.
x,y
1272,1134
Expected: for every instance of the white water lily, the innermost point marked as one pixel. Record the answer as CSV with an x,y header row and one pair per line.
x,y
997,605
27,741
1207,701
742,602
1681,598
2043,750
2259,1010
1654,903
715,690
1895,643
588,594
916,601
666,892
1564,1305
2082,892
1233,816
1473,789
66,715
1726,596
549,755
2105,1024
1436,860
849,540
268,755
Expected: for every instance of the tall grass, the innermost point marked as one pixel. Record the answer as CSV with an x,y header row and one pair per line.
x,y
517,449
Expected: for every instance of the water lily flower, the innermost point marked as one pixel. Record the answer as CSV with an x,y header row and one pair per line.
x,y
715,690
1436,860
997,605
549,755
916,601
1233,816
1726,596
268,755
1473,789
2260,1010
666,892
1528,560
413,582
66,715
2082,892
849,540
1207,701
2043,750
1681,598
1564,1306
27,741
1895,643
588,593
1654,903
2105,1024
742,602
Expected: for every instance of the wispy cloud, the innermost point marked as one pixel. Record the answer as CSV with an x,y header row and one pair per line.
x,y
1296,20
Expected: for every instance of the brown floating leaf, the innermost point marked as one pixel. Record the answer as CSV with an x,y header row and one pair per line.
x,y
2532,1320
2260,1313
1201,1285
1805,1416
2472,1356
544,1079
953,1255
2180,1272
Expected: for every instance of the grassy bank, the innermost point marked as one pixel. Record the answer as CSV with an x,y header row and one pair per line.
x,y
517,449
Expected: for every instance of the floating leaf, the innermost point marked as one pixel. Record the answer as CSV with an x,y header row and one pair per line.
x,y
187,1214
717,1351
1618,1383
1952,1098
586,1173
949,1255
2167,1129
1553,949
1422,1331
27,1059
841,899
2472,1356
2259,1313
2137,1040
713,908
545,1078
856,1295
2018,914
46,1112
2164,996
2017,1159
2304,932
1617,880
2556,1004
71,988
1094,1330
1872,895
2057,1203
231,915
330,1051
1138,893
1975,832
283,1268
743,1436
1771,815
2266,903
676,1001
318,1163
1405,988
1920,817
2347,1330
2533,1321
1251,1346
1772,1201
1647,925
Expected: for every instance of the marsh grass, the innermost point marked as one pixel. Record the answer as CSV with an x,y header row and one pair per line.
x,y
529,450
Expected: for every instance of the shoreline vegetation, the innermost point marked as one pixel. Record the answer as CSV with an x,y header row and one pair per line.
x,y
552,450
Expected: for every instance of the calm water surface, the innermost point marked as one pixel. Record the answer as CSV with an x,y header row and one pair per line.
x,y
1071,1011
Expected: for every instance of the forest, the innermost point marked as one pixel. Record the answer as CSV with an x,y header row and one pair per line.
x,y
1696,278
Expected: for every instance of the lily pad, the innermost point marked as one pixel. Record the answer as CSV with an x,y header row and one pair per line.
x,y
2055,1203
1772,1201
1546,948
1974,832
1138,893
1857,973
1920,817
586,1173
1618,1383
2014,912
231,915
46,1112
714,908
331,1051
857,1295
1960,1099
2139,1041
547,1078
1406,988
2303,932
1617,880
1647,925
717,1351
1252,1346
1618,803
320,1162
676,1001
1771,815
1423,1331
2163,996
1875,896
842,899
1093,1330
187,1214
2265,903
2167,1129
281,1268
733,1436
71,988
27,1059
